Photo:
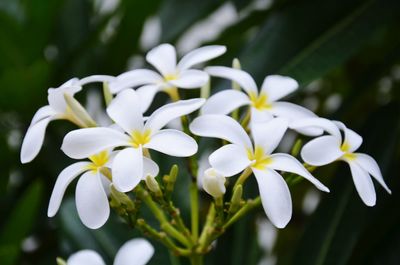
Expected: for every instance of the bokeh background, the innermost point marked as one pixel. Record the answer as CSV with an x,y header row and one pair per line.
x,y
345,54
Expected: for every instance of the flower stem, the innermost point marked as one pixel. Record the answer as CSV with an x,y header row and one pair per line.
x,y
242,178
194,203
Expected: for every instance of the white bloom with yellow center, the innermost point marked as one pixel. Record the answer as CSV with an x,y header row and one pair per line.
x,y
233,158
329,148
136,251
264,103
171,74
137,136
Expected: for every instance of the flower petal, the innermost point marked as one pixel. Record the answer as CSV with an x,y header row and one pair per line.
x,y
96,78
146,95
245,81
269,134
42,113
125,110
353,139
260,116
63,180
173,142
190,79
275,196
369,164
127,169
363,183
56,95
322,123
87,257
136,251
321,151
83,143
200,55
277,86
163,58
214,183
33,140
229,160
288,163
225,102
150,168
222,127
171,111
91,200
134,78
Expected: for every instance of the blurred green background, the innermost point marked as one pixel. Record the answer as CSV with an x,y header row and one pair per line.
x,y
345,54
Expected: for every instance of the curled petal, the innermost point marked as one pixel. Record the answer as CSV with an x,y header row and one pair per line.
x,y
277,86
134,78
91,200
163,58
173,142
96,78
321,151
42,113
363,183
190,79
146,95
87,257
222,127
225,102
136,251
63,180
150,168
245,81
269,134
33,140
200,55
127,169
229,160
275,196
353,139
315,123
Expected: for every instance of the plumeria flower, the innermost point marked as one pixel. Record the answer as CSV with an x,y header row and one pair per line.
x,y
91,191
264,103
329,148
171,74
241,154
134,252
136,138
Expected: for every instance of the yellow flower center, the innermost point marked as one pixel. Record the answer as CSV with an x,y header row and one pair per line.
x,y
258,156
140,138
259,102
170,77
345,148
98,161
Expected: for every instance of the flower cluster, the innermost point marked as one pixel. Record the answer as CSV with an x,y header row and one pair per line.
x,y
117,157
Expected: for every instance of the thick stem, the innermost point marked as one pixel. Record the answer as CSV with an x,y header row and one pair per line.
x,y
242,178
196,260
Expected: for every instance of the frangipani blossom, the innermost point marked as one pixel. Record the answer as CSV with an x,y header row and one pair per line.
x,y
329,148
134,252
264,103
233,158
137,136
171,74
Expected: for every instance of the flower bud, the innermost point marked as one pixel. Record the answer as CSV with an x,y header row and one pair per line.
x,y
214,183
152,184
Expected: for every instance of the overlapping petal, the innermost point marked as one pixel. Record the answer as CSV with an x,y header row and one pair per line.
x,y
269,134
163,58
316,123
134,78
42,113
229,160
136,251
351,138
277,86
321,151
190,79
150,168
146,95
200,55
127,168
225,102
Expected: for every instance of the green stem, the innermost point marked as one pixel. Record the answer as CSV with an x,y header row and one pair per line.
x,y
196,260
250,205
242,178
194,203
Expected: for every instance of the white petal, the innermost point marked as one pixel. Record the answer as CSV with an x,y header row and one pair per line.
x,y
363,183
222,127
33,140
245,80
269,134
288,163
353,139
96,78
63,180
146,95
125,110
85,257
56,95
91,201
42,113
83,143
136,251
163,58
260,116
134,78
190,79
173,142
200,55
171,111
214,183
127,169
150,168
369,164
225,102
277,86
316,123
275,196
321,151
229,160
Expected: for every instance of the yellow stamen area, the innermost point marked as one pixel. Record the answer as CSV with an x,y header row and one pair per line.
x,y
345,148
261,160
259,102
349,156
170,77
140,138
98,161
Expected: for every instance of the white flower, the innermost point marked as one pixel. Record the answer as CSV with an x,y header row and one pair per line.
x,y
128,164
171,74
264,103
134,252
233,158
214,183
329,148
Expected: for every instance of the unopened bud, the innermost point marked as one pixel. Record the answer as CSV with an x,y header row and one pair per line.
x,y
121,198
214,183
236,65
60,261
152,184
236,199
